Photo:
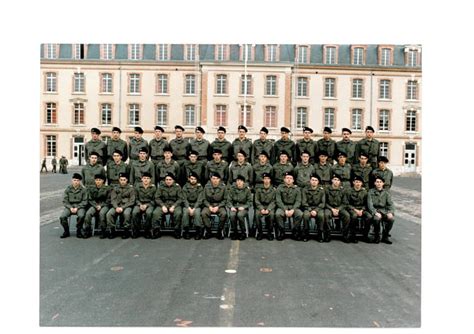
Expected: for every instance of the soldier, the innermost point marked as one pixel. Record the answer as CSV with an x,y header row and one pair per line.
x,y
156,145
362,169
200,145
265,197
116,143
192,165
98,146
381,208
144,206
43,166
54,162
304,170
241,167
168,200
136,143
115,167
75,201
63,163
281,167
92,168
122,200
323,168
343,169
140,166
98,198
217,165
241,143
347,145
222,144
192,206
239,200
214,200
357,208
313,204
327,144
288,200
285,144
335,207
179,145
262,166
384,172
306,144
168,165
260,145
369,145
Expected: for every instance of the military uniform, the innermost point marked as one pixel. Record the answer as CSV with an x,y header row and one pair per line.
x,y
258,170
121,197
238,197
244,145
156,149
89,172
180,149
63,163
363,172
303,174
306,145
265,199
221,167
74,198
324,172
357,199
192,199
369,147
279,171
244,169
120,145
225,146
381,202
288,198
135,146
144,196
259,146
348,147
168,196
336,199
314,199
199,167
387,175
164,167
284,145
97,146
344,171
202,147
114,170
214,196
54,162
138,167
328,146
98,200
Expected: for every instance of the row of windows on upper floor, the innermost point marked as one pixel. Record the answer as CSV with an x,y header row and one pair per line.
x,y
382,55
246,86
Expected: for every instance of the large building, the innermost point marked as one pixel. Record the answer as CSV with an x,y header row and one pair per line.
x,y
272,85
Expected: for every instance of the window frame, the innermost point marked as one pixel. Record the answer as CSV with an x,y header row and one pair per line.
x,y
220,112
135,108
161,114
110,111
51,112
301,117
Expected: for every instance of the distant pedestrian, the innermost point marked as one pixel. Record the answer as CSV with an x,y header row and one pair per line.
x,y
63,165
54,162
43,166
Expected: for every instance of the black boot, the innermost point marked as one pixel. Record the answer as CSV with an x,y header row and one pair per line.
x,y
112,233
377,238
177,234
79,233
156,233
208,233
319,236
103,233
220,234
234,236
87,233
281,234
135,233
66,233
270,234
126,234
305,235
242,236
260,233
186,233
198,234
147,233
385,239
327,236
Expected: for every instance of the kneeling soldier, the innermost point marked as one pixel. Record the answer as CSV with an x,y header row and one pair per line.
x,y
314,201
98,197
381,207
288,199
265,197
192,205
75,201
213,200
239,199
357,208
122,198
144,206
335,207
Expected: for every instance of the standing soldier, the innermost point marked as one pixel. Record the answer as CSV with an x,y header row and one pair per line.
x,y
166,166
260,145
281,168
144,206
306,144
200,145
214,200
265,197
217,165
116,143
156,145
75,202
362,169
347,145
242,143
192,165
288,200
179,145
239,200
98,146
98,198
122,200
241,167
335,207
381,207
92,168
357,208
168,200
192,206
384,172
115,167
222,144
43,166
323,168
369,145
140,166
327,144
303,170
313,204
343,169
54,162
63,165
285,144
260,167
136,143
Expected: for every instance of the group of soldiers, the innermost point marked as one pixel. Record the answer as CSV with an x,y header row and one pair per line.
x,y
63,163
195,182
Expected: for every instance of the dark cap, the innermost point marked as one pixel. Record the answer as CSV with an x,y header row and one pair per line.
x,y
240,177
316,176
125,175
242,152
159,128
146,174
323,153
264,153
193,174
327,129
377,176
94,153
217,150
305,152
241,127
342,154
357,178
193,152
99,176
221,128
77,176
266,175
289,173
284,129
167,148
346,129
200,129
116,129
178,127
284,152
307,129
216,174
143,149
368,127
138,129
264,129
95,130
363,154
336,176
118,152
169,174
382,158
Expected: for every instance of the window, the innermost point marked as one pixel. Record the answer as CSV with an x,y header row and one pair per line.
x,y
221,115
246,85
51,113
330,55
51,82
162,84
329,87
79,83
356,119
248,115
411,121
162,114
412,90
384,149
303,54
329,117
301,117
78,118
191,52
246,52
384,89
412,58
135,52
134,84
386,57
221,84
271,53
384,119
107,51
78,51
51,146
221,52
270,119
190,84
133,114
189,115
271,85
163,53
51,51
302,89
357,89
106,83
106,113
358,56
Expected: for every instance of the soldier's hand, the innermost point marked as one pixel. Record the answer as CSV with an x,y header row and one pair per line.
x,y
73,210
314,213
390,215
241,208
191,211
335,212
233,209
98,207
119,210
378,215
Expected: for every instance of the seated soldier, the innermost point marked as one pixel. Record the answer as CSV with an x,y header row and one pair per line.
x,y
144,206
75,201
288,199
335,206
239,200
265,196
98,198
214,200
357,208
313,203
381,207
192,206
122,200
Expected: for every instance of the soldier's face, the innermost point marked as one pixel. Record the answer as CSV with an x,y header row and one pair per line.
x,y
217,156
169,181
305,158
363,160
138,135
240,157
378,184
382,164
314,182
288,180
123,181
341,159
167,155
192,180
146,180
220,135
326,135
357,184
142,156
306,135
346,135
99,182
267,181
95,136
263,135
215,180
263,159
336,182
285,135
158,134
193,158
115,135
93,159
239,183
199,135
242,133
323,159
117,157
76,183
179,133
283,158
369,134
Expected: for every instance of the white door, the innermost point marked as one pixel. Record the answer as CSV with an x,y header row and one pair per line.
x,y
409,160
78,151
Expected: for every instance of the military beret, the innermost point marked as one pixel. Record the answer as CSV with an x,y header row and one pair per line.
x,y
264,153
176,127
193,174
306,152
95,130
347,130
240,177
138,129
363,154
216,174
382,158
284,152
342,154
377,176
159,128
125,175
307,129
266,175
369,128
217,150
242,152
357,178
143,149
264,129
169,174
146,174
327,129
322,153
284,129
193,152
118,152
99,176
336,176
94,153
200,129
221,128
77,176
316,176
289,173
167,148
241,127
116,129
